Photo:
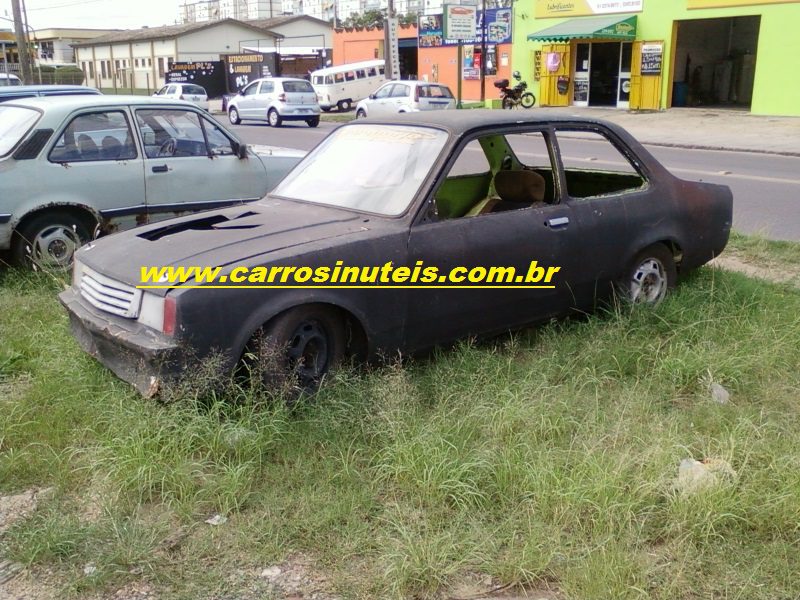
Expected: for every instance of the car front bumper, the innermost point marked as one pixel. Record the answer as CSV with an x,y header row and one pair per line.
x,y
135,353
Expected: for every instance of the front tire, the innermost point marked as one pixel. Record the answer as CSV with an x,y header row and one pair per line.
x,y
344,105
233,116
48,242
651,274
313,122
361,114
528,100
274,118
298,348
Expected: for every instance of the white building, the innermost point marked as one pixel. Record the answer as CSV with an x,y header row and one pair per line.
x,y
242,10
139,58
54,45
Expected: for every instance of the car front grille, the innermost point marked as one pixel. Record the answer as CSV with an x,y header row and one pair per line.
x,y
109,295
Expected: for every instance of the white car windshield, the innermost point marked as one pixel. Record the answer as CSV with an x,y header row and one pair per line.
x,y
15,122
371,168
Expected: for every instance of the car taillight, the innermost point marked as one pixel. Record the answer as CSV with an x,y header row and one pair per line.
x,y
168,326
282,97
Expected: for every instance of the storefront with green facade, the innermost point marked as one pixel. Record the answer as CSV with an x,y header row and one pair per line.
x,y
656,54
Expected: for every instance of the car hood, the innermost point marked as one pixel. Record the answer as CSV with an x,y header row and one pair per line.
x,y
264,150
218,237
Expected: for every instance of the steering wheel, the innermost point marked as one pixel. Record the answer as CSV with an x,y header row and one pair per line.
x,y
168,148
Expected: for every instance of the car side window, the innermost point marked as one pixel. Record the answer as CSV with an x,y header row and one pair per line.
x,y
171,90
162,91
171,133
384,91
267,87
594,165
488,176
220,144
95,136
400,90
251,89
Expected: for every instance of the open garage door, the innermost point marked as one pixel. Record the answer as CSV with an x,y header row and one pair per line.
x,y
715,62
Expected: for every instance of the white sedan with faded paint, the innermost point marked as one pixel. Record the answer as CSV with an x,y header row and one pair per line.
x,y
75,167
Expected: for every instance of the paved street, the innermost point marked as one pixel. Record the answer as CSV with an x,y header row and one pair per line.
x,y
766,187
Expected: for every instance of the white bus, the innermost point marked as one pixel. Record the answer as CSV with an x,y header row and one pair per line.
x,y
343,86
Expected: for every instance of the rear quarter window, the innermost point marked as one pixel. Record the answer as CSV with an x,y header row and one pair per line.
x,y
193,89
15,123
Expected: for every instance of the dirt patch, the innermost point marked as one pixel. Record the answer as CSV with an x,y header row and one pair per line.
x,y
773,273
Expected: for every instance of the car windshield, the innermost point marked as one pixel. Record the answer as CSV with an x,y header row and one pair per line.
x,y
15,122
193,89
370,168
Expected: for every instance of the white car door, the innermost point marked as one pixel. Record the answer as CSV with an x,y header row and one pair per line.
x,y
400,97
263,99
380,105
246,100
191,164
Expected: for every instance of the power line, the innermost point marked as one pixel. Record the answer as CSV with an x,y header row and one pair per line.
x,y
65,5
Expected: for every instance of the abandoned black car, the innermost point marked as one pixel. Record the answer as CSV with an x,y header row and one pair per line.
x,y
399,234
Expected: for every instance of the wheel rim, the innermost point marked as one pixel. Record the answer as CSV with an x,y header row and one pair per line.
x,y
649,282
234,116
345,105
54,246
273,118
307,352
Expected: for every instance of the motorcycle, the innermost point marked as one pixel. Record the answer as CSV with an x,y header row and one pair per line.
x,y
517,95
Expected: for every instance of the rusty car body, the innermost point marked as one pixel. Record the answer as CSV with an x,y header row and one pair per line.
x,y
70,165
462,188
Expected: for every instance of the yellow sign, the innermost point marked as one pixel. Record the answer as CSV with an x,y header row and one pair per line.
x,y
723,3
582,8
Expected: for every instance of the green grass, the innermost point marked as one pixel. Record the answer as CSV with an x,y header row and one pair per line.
x,y
543,459
759,250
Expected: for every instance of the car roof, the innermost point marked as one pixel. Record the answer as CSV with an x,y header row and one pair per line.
x,y
376,62
49,88
89,101
462,121
281,79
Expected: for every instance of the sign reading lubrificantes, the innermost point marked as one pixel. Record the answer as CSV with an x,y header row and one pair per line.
x,y
724,3
498,29
582,8
652,58
459,21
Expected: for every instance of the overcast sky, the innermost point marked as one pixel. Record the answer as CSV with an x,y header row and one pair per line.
x,y
94,14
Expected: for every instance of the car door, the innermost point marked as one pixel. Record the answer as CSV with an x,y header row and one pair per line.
x,y
94,162
263,98
246,100
534,240
400,98
191,163
379,106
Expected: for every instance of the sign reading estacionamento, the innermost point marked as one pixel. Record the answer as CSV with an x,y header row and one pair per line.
x,y
582,8
724,3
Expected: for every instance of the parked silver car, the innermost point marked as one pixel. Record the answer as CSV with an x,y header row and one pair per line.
x,y
74,166
405,96
275,100
190,92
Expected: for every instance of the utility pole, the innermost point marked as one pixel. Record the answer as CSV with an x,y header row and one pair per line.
x,y
391,53
22,43
483,51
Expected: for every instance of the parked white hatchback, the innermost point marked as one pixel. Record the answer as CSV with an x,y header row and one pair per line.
x,y
275,100
196,94
74,166
405,96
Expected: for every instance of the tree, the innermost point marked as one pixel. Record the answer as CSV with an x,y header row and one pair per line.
x,y
369,18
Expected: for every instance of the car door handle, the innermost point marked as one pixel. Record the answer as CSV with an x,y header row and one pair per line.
x,y
558,222
160,169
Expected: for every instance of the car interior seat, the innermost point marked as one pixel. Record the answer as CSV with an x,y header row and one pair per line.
x,y
111,148
513,190
88,148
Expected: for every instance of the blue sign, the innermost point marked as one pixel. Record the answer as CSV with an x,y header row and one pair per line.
x,y
498,29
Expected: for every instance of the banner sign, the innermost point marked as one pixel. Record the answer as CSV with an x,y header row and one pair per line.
x,y
723,3
582,8
652,55
210,75
241,69
498,29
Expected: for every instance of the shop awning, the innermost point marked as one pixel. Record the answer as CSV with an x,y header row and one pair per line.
x,y
617,27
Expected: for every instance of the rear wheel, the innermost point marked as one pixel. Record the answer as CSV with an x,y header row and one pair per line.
x,y
528,100
233,116
361,114
508,103
313,122
274,118
49,241
298,348
650,275
344,105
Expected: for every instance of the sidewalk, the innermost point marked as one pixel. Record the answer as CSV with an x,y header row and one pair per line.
x,y
712,128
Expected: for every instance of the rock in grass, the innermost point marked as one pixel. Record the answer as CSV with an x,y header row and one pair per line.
x,y
719,394
217,520
695,475
271,573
